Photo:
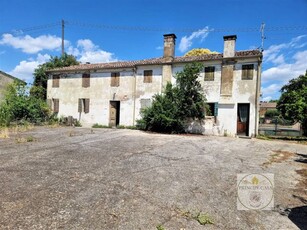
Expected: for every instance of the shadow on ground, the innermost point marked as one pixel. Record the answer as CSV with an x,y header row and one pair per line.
x,y
298,216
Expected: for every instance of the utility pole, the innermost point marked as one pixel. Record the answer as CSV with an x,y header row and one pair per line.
x,y
62,37
262,35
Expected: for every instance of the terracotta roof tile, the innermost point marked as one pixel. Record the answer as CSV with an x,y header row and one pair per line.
x,y
154,61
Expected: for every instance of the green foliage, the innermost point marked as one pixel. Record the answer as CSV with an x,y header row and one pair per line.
x,y
78,124
169,111
293,101
204,218
96,125
19,106
271,113
160,227
41,77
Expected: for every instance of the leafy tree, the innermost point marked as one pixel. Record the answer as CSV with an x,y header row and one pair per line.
x,y
199,52
41,77
171,110
293,101
271,113
19,105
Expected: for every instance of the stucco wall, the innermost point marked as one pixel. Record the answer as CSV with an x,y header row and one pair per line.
x,y
132,90
4,81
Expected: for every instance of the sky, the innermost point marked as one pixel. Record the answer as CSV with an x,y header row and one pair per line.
x,y
106,31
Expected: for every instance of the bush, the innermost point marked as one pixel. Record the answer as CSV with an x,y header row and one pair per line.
x,y
170,110
271,113
19,105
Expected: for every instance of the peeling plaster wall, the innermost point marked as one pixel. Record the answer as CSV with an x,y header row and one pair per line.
x,y
132,90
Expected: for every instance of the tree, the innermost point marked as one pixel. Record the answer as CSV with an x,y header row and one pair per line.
x,y
199,52
172,109
293,101
271,113
41,77
18,106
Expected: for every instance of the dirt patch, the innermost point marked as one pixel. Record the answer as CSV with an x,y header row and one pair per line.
x,y
279,156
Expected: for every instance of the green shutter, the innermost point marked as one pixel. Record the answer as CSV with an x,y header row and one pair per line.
x,y
216,107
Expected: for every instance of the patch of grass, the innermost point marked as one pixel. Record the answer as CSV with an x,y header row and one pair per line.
x,y
4,133
78,124
121,127
96,125
204,218
200,217
160,227
25,139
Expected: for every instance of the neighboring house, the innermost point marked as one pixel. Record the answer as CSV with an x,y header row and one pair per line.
x,y
5,80
265,106
113,93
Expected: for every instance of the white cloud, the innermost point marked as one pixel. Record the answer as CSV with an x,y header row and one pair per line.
x,y
271,89
32,45
25,69
268,98
87,51
186,42
283,72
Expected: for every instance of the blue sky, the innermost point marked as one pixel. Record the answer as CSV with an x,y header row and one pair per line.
x,y
99,31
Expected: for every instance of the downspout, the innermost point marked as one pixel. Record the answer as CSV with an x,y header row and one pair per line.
x,y
258,84
134,94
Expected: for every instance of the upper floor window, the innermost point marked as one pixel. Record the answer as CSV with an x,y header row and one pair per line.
x,y
86,80
115,79
247,72
209,73
56,81
147,76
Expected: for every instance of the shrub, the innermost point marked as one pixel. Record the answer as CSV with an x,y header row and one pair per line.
x,y
170,110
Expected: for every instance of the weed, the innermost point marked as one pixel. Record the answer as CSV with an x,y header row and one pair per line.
x,y
121,127
204,218
4,133
96,125
160,227
78,124
30,139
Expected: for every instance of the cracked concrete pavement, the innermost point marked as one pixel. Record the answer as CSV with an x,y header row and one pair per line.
x,y
79,178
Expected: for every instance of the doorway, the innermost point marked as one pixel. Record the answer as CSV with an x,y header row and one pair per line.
x,y
243,119
114,113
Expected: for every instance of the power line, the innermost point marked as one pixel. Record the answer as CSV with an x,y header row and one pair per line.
x,y
155,29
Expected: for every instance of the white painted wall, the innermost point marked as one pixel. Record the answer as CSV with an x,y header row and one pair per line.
x,y
132,89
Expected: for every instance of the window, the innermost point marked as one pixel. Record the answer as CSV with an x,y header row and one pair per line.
x,y
115,79
209,73
247,72
147,76
145,103
212,109
53,104
56,81
86,77
84,105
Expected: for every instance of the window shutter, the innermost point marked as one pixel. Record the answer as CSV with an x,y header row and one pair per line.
x,y
87,105
147,76
247,72
86,80
209,73
56,105
216,107
56,81
80,102
117,79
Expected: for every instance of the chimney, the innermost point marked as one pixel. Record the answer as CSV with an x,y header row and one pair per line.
x,y
229,46
169,45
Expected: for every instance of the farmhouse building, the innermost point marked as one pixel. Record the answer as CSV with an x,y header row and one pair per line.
x,y
113,93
